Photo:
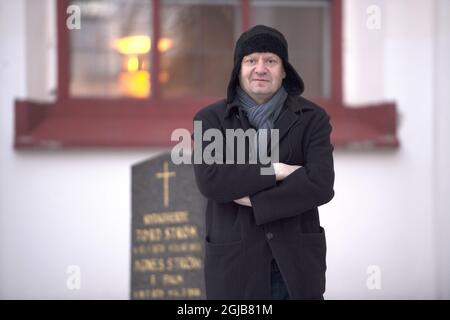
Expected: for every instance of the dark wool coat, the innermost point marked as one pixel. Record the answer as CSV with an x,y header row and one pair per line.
x,y
283,222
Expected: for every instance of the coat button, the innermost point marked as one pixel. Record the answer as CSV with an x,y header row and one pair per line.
x,y
269,235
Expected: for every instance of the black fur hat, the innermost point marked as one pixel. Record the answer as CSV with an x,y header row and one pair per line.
x,y
261,38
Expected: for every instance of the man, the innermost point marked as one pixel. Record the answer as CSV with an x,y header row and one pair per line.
x,y
263,235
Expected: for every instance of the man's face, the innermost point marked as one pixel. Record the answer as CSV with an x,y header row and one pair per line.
x,y
261,75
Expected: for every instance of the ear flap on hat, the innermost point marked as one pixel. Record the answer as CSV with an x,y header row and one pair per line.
x,y
234,82
293,83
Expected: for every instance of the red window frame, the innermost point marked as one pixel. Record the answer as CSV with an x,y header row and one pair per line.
x,y
125,122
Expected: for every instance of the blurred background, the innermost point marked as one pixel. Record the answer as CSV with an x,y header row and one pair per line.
x,y
89,88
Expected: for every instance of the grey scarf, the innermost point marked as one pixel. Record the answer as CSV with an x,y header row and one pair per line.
x,y
264,115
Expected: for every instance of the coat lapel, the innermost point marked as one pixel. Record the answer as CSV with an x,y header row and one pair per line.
x,y
234,118
287,119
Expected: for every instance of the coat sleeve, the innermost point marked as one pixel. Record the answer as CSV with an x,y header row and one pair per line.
x,y
304,189
227,182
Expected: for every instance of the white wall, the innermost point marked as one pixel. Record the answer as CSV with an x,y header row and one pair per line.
x,y
61,208
40,31
442,147
363,51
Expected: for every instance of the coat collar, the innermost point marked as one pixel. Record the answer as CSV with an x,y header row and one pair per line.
x,y
293,103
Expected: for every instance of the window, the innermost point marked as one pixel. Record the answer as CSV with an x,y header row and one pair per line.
x,y
201,60
109,56
138,69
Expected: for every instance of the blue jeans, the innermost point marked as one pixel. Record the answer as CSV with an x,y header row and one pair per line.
x,y
278,288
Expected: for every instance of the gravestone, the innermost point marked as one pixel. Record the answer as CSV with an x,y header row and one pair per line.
x,y
167,231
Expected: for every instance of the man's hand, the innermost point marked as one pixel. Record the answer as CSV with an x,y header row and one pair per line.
x,y
245,201
283,170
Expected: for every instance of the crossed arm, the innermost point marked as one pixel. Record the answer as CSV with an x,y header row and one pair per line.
x,y
282,170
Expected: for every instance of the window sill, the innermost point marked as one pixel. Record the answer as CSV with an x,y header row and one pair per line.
x,y
87,123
